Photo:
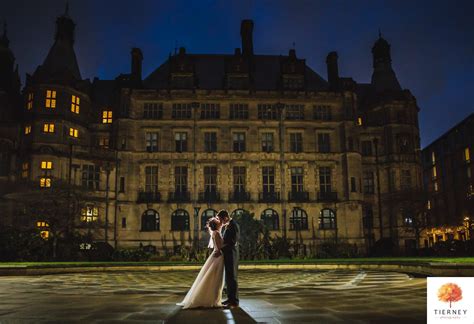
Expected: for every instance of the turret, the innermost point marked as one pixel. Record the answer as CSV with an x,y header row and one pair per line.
x,y
383,77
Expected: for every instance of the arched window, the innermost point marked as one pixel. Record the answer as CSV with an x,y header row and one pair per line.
x,y
327,219
208,213
270,219
150,221
180,220
239,212
298,220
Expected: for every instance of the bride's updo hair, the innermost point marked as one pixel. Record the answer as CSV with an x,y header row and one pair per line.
x,y
212,224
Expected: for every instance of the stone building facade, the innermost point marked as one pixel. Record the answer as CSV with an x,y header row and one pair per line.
x,y
316,160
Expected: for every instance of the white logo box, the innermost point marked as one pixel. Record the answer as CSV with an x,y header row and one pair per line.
x,y
461,311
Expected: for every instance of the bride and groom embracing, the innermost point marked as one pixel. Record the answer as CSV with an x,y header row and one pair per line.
x,y
206,290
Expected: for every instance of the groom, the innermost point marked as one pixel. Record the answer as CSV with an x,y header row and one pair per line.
x,y
230,250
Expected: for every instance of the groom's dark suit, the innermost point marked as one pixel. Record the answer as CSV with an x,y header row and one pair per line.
x,y
231,259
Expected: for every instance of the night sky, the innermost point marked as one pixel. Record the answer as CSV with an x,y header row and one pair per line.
x,y
432,41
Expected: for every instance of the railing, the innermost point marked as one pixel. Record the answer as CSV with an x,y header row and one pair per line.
x,y
179,196
327,196
147,197
269,197
298,196
239,196
209,196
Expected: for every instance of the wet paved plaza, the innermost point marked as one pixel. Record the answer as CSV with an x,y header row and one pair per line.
x,y
266,296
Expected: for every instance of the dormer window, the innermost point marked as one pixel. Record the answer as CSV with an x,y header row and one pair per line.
x,y
27,129
50,99
293,81
75,102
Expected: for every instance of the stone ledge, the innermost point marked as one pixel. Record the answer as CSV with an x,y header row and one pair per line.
x,y
422,269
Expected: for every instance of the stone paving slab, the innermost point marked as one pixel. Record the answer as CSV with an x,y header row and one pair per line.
x,y
303,296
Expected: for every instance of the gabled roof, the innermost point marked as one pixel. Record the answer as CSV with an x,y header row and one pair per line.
x,y
210,71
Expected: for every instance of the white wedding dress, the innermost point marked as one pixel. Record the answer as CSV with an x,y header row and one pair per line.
x,y
206,290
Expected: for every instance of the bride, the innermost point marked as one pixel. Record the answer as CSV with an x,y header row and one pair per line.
x,y
206,290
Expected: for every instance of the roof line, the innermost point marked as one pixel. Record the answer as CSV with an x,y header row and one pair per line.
x,y
471,115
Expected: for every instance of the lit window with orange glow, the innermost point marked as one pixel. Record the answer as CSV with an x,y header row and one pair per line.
x,y
359,121
50,99
89,214
107,117
27,129
436,188
75,103
25,168
467,155
433,158
29,103
48,128
73,132
434,173
45,182
46,165
428,205
43,226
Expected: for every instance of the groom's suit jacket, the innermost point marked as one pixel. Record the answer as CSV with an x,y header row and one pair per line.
x,y
231,237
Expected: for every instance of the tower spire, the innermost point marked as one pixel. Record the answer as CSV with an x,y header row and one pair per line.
x,y
66,12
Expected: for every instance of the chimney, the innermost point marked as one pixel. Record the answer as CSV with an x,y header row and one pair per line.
x,y
137,58
246,29
333,71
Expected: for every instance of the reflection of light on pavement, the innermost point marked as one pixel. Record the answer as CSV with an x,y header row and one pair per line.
x,y
229,316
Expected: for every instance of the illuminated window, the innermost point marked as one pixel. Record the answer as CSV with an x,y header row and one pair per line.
x,y
433,157
43,226
89,214
27,129
434,172
467,155
45,182
359,121
428,204
25,170
48,128
436,188
107,117
29,103
46,165
73,132
75,102
50,99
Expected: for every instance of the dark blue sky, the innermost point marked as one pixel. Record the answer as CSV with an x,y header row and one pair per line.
x,y
432,41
